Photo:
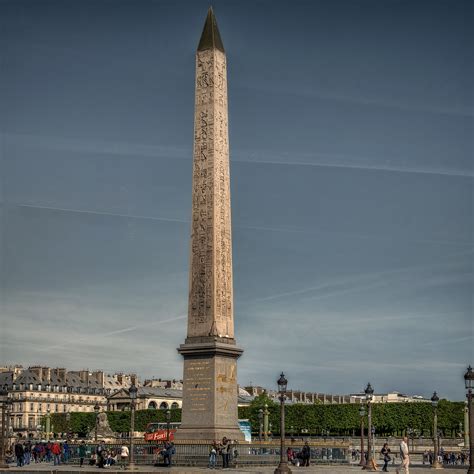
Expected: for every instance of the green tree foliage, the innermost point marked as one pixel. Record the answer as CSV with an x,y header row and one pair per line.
x,y
338,420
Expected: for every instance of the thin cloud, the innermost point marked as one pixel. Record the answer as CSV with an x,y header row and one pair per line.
x,y
100,213
266,157
267,88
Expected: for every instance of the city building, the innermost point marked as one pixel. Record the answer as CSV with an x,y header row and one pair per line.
x,y
159,397
391,397
39,390
298,396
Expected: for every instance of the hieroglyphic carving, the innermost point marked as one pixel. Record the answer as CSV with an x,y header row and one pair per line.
x,y
210,297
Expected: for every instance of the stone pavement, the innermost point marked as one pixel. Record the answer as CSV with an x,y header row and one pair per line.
x,y
331,469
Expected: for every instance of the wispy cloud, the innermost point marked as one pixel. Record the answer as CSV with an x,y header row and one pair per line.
x,y
265,157
301,90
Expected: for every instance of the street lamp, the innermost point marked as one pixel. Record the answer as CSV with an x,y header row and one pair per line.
x,y
260,424
362,454
96,409
434,403
369,395
68,424
3,401
283,466
466,425
133,397
48,423
265,422
469,381
168,419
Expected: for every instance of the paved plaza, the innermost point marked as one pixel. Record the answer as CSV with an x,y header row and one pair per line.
x,y
333,469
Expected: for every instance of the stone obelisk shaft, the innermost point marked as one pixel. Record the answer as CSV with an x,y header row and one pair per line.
x,y
210,352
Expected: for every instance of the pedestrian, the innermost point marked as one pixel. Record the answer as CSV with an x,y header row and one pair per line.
x,y
19,451
124,453
385,452
306,452
404,456
101,455
165,453
27,452
66,451
223,453
82,453
56,450
170,450
213,456
48,451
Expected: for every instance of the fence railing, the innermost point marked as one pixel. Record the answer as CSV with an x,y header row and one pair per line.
x,y
193,454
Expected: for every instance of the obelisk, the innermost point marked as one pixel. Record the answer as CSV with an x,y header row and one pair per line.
x,y
210,351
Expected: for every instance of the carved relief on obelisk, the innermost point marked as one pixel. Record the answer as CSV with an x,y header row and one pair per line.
x,y
210,296
210,352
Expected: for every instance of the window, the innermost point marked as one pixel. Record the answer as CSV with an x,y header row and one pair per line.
x,y
39,407
163,406
32,406
174,405
57,407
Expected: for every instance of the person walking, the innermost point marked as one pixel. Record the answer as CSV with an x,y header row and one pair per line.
x,y
56,450
26,453
223,453
385,452
306,452
124,453
170,450
404,456
213,456
19,451
66,451
82,453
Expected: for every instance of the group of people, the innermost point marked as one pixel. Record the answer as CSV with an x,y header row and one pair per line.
x,y
299,458
50,451
225,449
446,457
104,457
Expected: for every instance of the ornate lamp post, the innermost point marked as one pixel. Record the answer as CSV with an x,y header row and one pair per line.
x,y
434,403
362,454
68,424
96,410
466,426
48,423
3,402
168,419
265,422
260,424
133,397
283,466
469,381
369,395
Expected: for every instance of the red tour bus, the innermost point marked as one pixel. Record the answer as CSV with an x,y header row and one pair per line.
x,y
158,431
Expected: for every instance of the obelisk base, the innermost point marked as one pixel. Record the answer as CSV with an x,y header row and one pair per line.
x,y
210,391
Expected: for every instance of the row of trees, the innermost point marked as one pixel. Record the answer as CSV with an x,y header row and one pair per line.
x,y
389,419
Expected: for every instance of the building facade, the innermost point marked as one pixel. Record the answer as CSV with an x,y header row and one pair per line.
x,y
38,391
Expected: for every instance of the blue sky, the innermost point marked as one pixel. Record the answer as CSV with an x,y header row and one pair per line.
x,y
351,135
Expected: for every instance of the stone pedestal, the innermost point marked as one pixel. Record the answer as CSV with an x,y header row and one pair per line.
x,y
210,392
